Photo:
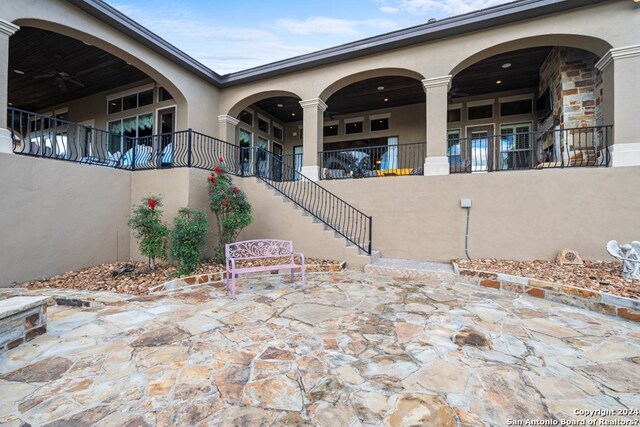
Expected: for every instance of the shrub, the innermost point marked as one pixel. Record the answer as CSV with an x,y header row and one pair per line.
x,y
187,238
149,229
230,206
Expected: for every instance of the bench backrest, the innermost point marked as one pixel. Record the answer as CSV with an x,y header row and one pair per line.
x,y
258,249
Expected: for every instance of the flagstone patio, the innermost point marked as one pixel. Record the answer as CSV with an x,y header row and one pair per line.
x,y
353,350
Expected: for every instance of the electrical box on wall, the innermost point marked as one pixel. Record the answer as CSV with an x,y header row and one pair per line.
x,y
465,203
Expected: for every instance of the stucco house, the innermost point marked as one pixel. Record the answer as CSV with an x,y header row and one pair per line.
x,y
529,109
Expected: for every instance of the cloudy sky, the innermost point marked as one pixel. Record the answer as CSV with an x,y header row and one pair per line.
x,y
233,35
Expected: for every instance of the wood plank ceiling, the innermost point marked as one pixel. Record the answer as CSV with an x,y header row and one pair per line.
x,y
478,79
34,52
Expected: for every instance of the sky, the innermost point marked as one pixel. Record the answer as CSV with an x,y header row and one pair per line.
x,y
229,36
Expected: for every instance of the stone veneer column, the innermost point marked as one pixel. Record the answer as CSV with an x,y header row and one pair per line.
x,y
620,68
436,89
6,30
312,122
227,128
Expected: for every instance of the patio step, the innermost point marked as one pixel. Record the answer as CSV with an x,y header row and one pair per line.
x,y
411,269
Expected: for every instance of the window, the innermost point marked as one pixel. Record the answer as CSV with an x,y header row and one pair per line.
x,y
515,146
245,140
380,124
353,127
453,147
454,115
145,98
512,108
163,94
277,132
246,117
131,127
330,130
263,125
477,112
129,102
114,106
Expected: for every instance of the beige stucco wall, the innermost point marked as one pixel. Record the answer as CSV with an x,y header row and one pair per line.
x,y
58,216
515,215
64,18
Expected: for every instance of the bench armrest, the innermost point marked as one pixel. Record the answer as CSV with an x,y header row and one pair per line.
x,y
300,254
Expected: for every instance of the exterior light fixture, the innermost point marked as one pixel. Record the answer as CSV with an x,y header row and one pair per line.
x,y
386,100
293,114
498,82
18,72
380,87
506,65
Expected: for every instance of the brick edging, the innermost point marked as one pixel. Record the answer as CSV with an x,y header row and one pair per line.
x,y
594,300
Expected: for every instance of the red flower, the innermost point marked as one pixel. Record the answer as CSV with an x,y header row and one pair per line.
x,y
212,179
152,203
217,170
220,159
235,190
210,191
225,203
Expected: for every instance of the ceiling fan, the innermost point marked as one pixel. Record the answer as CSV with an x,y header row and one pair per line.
x,y
61,78
455,92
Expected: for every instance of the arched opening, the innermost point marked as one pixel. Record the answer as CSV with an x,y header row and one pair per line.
x,y
270,122
374,126
530,108
72,100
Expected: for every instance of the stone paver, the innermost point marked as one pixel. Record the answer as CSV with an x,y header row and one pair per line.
x,y
352,350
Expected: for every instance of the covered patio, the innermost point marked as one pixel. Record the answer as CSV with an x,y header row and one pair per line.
x,y
353,350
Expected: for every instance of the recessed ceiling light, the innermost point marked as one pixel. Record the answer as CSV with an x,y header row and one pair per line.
x,y
18,71
280,105
506,65
293,114
498,82
380,87
10,103
386,100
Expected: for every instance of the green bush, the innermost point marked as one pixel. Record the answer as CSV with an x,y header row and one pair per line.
x,y
230,206
187,238
152,234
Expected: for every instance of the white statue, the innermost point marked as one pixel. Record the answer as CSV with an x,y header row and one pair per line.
x,y
630,256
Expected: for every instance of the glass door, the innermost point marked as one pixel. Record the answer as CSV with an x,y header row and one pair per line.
x,y
245,140
297,159
479,148
166,126
276,168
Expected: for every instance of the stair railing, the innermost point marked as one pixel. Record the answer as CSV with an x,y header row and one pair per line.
x,y
349,222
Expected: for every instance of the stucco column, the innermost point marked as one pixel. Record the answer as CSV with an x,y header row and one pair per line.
x,y
312,122
6,30
436,89
621,103
227,128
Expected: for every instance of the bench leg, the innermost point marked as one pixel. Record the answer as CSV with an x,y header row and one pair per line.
x,y
226,277
233,286
292,276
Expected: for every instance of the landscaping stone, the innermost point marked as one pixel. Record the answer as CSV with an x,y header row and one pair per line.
x,y
351,350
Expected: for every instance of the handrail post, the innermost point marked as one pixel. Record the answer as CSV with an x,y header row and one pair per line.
x,y
189,142
370,233
133,154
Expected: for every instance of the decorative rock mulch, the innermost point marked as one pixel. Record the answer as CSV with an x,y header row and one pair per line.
x,y
590,299
141,281
603,276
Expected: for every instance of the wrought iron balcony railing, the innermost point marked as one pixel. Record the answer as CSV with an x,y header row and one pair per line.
x,y
365,162
554,148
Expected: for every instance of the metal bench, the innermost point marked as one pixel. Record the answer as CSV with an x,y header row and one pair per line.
x,y
240,253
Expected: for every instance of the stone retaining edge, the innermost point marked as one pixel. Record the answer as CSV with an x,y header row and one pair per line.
x,y
594,300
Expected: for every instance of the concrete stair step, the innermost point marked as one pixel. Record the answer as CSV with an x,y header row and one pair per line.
x,y
410,269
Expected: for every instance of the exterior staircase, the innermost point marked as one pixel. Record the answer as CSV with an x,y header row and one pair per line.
x,y
310,235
